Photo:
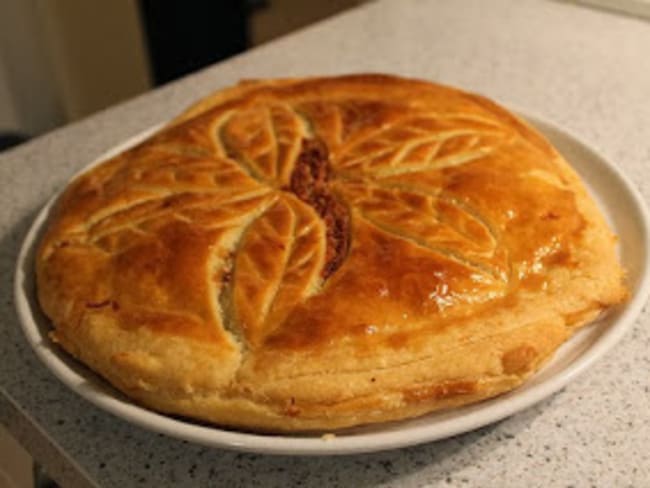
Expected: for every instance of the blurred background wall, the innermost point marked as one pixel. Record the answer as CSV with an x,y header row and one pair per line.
x,y
61,60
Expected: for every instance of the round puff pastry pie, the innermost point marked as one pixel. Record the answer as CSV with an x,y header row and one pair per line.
x,y
313,254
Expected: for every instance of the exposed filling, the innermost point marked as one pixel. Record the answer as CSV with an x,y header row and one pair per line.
x,y
309,182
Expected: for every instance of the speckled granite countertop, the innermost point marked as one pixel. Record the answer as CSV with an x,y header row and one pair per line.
x,y
588,71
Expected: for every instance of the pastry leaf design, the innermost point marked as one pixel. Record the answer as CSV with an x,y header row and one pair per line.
x,y
266,139
438,224
277,265
208,192
418,144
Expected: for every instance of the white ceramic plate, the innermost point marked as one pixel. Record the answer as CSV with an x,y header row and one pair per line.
x,y
617,198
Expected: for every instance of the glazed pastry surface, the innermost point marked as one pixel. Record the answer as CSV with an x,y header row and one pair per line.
x,y
313,254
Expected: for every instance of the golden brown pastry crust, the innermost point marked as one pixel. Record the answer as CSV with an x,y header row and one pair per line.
x,y
313,254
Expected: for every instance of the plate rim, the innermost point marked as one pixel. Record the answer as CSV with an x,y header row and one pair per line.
x,y
489,411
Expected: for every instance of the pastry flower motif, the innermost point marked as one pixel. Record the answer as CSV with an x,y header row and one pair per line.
x,y
278,193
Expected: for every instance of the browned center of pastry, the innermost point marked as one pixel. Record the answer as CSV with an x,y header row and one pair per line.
x,y
309,182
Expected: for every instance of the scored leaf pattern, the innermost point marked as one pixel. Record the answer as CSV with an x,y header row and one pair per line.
x,y
277,266
239,179
417,145
265,138
438,224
